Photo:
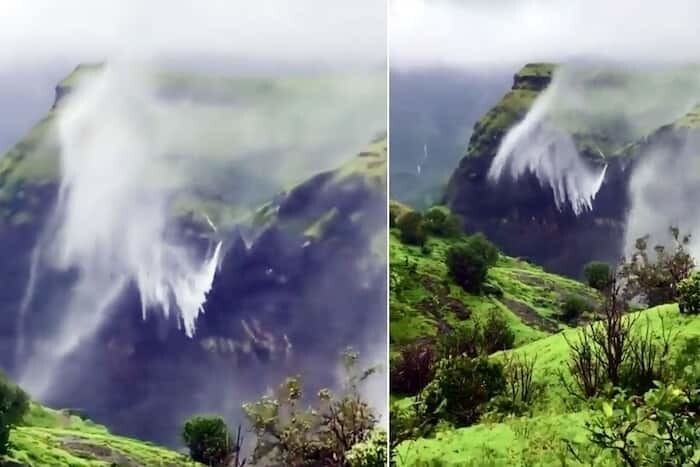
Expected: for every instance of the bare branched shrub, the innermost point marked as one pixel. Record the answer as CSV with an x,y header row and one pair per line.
x,y
520,387
413,369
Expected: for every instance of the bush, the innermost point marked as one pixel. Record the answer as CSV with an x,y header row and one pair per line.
x,y
371,452
14,404
521,389
413,369
411,226
468,262
689,295
656,280
440,223
573,307
466,340
461,388
208,440
598,275
497,334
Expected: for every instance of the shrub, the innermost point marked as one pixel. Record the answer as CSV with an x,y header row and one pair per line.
x,y
598,275
468,262
413,369
466,340
411,226
573,307
14,404
461,388
440,223
689,295
497,334
287,434
520,388
371,452
208,440
656,280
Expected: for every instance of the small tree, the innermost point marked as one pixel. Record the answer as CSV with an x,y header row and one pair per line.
x,y
441,223
461,388
656,279
497,334
287,434
598,275
411,226
208,440
689,295
465,340
413,369
573,307
14,404
468,262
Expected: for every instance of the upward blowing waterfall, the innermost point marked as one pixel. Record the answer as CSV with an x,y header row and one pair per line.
x,y
111,218
538,146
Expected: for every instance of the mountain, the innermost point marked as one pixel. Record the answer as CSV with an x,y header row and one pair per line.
x,y
613,116
288,240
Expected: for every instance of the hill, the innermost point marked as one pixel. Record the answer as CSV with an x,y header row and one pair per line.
x,y
59,438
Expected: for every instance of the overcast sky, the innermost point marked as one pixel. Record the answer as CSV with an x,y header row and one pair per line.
x,y
481,33
42,40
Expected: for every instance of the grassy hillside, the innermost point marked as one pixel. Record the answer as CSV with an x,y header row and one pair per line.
x,y
540,439
56,438
424,300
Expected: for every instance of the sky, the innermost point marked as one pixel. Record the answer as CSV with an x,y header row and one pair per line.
x,y
482,33
43,40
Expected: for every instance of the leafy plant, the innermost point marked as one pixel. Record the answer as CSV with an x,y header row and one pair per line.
x,y
287,434
689,295
497,334
598,275
573,307
461,388
208,440
369,453
14,404
413,368
440,223
411,226
656,279
469,261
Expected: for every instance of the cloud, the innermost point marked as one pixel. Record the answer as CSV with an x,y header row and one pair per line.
x,y
486,33
311,32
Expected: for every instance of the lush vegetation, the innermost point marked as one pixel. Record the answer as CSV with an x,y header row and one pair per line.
x,y
583,379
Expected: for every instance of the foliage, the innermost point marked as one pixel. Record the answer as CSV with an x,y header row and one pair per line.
x,y
656,280
14,404
287,434
689,294
598,275
371,452
208,440
461,388
497,334
660,428
442,224
413,368
465,340
469,261
573,307
411,226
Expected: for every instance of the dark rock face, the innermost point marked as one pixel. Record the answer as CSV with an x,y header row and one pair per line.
x,y
522,218
286,304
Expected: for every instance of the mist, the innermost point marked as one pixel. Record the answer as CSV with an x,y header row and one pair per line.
x,y
482,33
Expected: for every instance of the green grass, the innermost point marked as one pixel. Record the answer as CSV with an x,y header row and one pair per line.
x,y
423,297
55,438
541,439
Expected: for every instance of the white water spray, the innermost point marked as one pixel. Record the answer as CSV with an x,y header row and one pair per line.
x,y
536,145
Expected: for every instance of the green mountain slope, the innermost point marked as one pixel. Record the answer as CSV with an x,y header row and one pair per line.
x,y
424,300
539,440
57,438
